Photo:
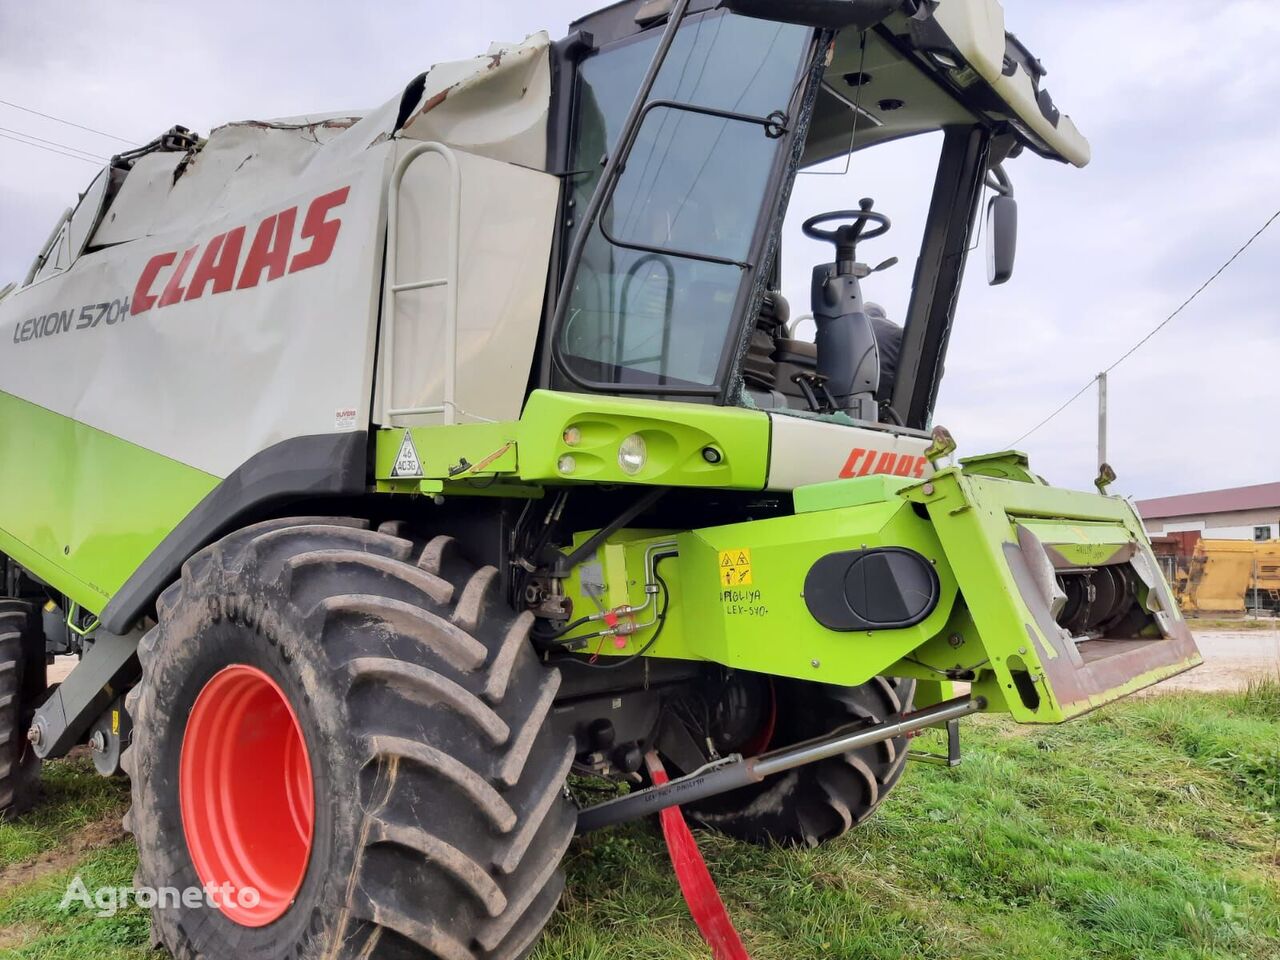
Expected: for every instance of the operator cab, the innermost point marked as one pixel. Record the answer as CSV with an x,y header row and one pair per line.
x,y
674,277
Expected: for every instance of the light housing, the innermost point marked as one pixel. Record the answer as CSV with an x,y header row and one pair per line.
x,y
633,454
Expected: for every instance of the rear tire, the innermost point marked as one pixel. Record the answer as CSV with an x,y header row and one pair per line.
x,y
20,638
819,802
439,817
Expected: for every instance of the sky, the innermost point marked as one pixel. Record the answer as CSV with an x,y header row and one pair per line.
x,y
1176,97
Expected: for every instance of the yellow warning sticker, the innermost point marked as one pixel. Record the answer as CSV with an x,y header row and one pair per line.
x,y
735,567
115,722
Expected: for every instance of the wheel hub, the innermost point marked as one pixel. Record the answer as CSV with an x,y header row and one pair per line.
x,y
247,795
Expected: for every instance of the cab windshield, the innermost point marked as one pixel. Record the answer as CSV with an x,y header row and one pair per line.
x,y
662,276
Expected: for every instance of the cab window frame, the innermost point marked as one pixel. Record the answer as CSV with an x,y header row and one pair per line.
x,y
761,250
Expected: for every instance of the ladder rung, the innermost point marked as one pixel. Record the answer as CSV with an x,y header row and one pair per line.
x,y
419,285
415,411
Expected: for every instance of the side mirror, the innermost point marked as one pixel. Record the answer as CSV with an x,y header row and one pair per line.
x,y
1002,238
827,14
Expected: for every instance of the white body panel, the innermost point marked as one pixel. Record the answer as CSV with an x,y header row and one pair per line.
x,y
229,300
804,451
505,241
213,380
977,29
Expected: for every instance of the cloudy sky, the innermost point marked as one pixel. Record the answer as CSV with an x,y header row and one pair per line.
x,y
1176,96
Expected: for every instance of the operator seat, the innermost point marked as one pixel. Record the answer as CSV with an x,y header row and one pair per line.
x,y
759,368
889,341
791,356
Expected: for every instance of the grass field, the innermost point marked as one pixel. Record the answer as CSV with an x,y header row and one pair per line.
x,y
1149,829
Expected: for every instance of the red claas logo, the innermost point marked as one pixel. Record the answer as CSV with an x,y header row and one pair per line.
x,y
218,268
863,462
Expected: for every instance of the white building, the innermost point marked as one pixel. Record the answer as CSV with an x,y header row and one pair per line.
x,y
1240,513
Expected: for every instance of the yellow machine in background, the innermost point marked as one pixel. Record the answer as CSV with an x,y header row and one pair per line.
x,y
1230,577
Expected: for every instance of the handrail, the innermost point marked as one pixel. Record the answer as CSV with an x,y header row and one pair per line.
x,y
449,281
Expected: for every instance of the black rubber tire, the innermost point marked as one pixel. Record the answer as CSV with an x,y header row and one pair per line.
x,y
441,816
821,801
19,766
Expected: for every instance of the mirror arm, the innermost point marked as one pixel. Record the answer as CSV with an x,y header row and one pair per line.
x,y
999,181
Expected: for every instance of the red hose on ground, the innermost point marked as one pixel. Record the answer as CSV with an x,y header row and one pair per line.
x,y
700,893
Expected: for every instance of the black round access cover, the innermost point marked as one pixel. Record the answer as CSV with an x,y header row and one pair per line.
x,y
885,588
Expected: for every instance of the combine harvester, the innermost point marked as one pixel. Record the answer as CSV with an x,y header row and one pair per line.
x,y
383,470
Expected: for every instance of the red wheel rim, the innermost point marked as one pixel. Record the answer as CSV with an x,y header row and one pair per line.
x,y
246,795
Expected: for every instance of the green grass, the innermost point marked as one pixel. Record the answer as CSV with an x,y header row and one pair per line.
x,y
74,796
1150,829
1233,623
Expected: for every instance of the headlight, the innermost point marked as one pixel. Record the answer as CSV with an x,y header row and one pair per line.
x,y
632,454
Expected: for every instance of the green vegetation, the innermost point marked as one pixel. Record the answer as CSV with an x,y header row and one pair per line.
x,y
1233,623
75,798
1148,830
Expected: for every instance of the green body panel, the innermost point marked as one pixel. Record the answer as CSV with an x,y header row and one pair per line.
x,y
855,492
767,620
531,450
83,508
762,625
476,459
1007,465
989,625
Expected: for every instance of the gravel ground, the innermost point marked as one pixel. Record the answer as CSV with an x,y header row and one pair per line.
x,y
1231,660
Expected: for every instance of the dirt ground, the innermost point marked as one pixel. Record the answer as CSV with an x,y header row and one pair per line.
x,y
1231,659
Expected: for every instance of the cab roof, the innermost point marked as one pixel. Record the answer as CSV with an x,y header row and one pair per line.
x,y
931,64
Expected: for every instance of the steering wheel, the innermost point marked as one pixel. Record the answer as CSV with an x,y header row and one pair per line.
x,y
851,232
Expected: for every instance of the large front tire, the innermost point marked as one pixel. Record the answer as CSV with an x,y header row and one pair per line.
x,y
435,819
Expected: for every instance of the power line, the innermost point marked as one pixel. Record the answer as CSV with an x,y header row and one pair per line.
x,y
1076,396
61,153
78,126
1157,328
1217,273
53,143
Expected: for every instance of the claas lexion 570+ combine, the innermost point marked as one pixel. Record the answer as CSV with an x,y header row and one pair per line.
x,y
385,470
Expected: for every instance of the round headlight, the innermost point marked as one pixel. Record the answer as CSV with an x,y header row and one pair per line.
x,y
567,464
572,437
632,454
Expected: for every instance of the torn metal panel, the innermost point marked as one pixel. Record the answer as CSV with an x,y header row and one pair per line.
x,y
136,210
244,162
495,106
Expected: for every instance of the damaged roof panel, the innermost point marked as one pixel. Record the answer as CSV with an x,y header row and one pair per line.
x,y
496,105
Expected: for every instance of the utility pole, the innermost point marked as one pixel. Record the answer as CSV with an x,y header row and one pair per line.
x,y
1102,419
